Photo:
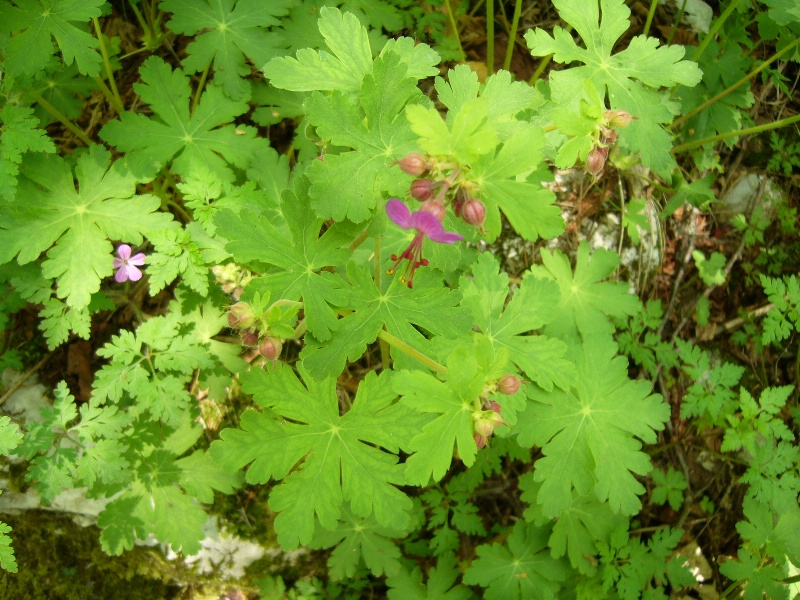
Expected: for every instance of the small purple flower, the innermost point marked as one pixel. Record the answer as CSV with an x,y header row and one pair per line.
x,y
426,226
127,264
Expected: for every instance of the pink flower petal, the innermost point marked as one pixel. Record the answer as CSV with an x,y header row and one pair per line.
x,y
137,259
134,274
124,251
399,213
432,228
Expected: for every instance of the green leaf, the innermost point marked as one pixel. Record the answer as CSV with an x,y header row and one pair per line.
x,y
532,306
200,139
34,22
627,77
441,583
230,31
300,258
348,58
760,580
200,475
120,526
77,225
712,270
18,135
398,308
521,568
586,303
359,539
590,436
176,254
10,436
668,487
7,559
333,458
349,185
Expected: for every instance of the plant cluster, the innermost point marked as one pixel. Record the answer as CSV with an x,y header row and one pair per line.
x,y
327,321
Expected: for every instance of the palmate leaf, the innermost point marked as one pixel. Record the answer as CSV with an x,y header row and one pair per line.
x,y
520,569
396,307
586,301
190,140
35,21
299,259
333,458
440,586
533,305
348,57
627,77
591,436
231,31
348,185
75,226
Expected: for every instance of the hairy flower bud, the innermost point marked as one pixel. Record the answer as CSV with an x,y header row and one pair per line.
x,y
495,406
414,164
509,384
270,348
241,316
480,441
473,212
422,189
596,160
618,118
249,338
433,207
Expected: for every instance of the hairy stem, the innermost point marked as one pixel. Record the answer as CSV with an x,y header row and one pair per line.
x,y
63,120
512,35
454,27
412,352
737,133
489,37
114,98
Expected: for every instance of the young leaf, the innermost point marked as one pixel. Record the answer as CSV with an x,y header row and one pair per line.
x,y
34,22
201,138
521,568
79,222
441,580
531,307
230,31
7,558
588,435
339,458
627,76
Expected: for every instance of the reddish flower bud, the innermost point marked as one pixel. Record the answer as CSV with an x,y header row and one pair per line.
x,y
422,189
495,406
509,384
433,207
473,212
414,164
241,316
480,441
270,348
249,338
618,118
596,161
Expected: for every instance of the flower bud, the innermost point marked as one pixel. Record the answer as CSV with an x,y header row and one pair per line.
x,y
495,406
509,384
422,189
413,164
249,338
596,161
270,348
480,441
241,316
433,207
618,118
473,212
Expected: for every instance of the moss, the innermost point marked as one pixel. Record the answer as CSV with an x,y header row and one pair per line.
x,y
59,560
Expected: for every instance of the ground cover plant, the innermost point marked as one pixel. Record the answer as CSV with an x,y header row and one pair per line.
x,y
464,300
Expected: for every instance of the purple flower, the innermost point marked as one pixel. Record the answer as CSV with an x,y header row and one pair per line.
x,y
127,264
426,226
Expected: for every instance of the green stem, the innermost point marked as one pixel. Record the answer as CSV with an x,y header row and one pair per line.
x,y
489,37
114,98
148,33
650,14
677,21
358,241
714,29
386,359
742,81
64,120
454,26
512,35
737,133
300,330
412,352
200,87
